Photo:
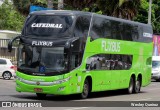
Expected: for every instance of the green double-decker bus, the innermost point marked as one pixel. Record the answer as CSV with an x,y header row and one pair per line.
x,y
74,52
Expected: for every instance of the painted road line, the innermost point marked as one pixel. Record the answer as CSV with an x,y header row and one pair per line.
x,y
142,99
78,108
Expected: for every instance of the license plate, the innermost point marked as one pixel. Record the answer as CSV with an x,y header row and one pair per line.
x,y
38,89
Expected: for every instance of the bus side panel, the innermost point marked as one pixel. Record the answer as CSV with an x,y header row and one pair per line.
x,y
118,79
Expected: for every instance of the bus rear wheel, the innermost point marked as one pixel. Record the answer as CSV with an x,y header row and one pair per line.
x,y
131,86
137,86
85,91
41,96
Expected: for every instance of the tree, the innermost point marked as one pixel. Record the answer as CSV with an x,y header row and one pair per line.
x,y
23,5
156,16
80,4
125,9
10,19
142,15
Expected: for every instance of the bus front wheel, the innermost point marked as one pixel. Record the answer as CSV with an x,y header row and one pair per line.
x,y
85,91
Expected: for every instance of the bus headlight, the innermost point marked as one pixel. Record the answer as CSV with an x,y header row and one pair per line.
x,y
62,80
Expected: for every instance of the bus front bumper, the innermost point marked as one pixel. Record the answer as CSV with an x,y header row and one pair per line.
x,y
62,88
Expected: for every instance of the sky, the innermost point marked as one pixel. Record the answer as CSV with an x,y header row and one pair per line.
x,y
1,1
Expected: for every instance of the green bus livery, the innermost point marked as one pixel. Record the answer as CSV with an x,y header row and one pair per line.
x,y
74,52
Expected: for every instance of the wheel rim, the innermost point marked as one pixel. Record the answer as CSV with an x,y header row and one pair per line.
x,y
7,75
85,90
131,86
138,85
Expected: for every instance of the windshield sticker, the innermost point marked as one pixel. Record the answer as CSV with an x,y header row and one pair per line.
x,y
42,69
42,43
46,25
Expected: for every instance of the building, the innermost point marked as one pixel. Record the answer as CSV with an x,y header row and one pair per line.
x,y
5,36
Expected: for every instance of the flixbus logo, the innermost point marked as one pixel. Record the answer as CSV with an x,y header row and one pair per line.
x,y
42,43
111,46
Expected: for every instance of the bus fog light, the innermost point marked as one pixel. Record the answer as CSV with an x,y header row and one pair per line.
x,y
61,88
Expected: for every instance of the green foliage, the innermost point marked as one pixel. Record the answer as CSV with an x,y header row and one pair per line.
x,y
10,19
80,4
126,9
42,1
23,5
143,14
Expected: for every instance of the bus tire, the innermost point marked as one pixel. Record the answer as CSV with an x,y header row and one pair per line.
x,y
41,96
131,86
137,86
85,91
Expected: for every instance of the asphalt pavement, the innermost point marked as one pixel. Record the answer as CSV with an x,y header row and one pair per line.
x,y
147,99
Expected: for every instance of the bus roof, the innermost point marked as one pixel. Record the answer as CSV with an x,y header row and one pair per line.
x,y
122,20
59,12
69,12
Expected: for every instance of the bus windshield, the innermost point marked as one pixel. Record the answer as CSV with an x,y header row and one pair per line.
x,y
42,59
49,26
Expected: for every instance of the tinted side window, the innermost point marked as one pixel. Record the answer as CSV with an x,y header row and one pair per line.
x,y
145,34
127,31
135,33
81,30
101,28
82,26
111,29
3,61
117,30
109,62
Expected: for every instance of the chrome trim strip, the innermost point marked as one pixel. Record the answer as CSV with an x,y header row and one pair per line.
x,y
37,82
42,83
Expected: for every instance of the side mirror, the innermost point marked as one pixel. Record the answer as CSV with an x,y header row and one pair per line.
x,y
11,42
91,39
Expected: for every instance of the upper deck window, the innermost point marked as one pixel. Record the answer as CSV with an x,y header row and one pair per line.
x,y
105,27
49,25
